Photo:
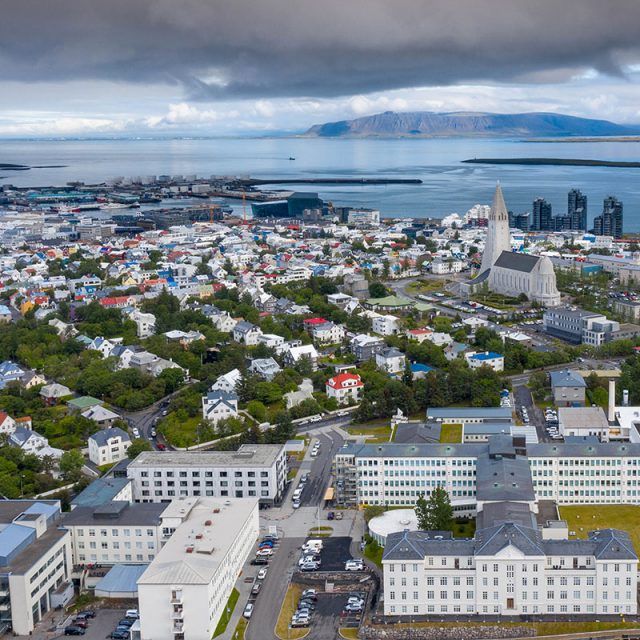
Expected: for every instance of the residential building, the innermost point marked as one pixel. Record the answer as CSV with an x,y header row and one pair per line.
x,y
266,368
365,347
10,372
385,325
328,333
108,446
610,221
219,405
390,360
246,333
32,442
346,388
542,215
442,266
568,388
254,470
227,381
102,416
115,532
295,355
583,421
489,359
35,562
577,210
184,591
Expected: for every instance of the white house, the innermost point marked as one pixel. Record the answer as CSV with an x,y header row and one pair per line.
x,y
219,405
7,423
296,354
32,442
346,388
328,333
390,360
485,359
227,382
247,333
108,446
145,323
102,345
385,325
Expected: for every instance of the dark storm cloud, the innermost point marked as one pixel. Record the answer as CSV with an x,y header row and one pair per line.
x,y
250,48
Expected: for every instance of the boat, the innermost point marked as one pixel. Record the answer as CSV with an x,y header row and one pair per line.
x,y
291,158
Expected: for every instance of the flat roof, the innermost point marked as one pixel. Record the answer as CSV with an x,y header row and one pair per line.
x,y
100,491
116,513
469,412
582,418
189,559
248,455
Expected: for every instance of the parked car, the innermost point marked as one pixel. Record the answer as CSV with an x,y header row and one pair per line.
x,y
355,600
74,630
310,593
132,613
339,515
354,565
353,608
255,590
88,613
310,566
153,433
80,622
331,515
161,446
248,610
300,622
296,504
260,560
126,622
264,552
120,634
262,574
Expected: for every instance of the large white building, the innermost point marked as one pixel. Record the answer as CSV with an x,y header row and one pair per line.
x,y
184,591
254,471
35,563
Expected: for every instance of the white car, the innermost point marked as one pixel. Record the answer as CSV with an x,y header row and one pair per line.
x,y
354,565
296,504
264,552
310,566
262,574
248,610
132,613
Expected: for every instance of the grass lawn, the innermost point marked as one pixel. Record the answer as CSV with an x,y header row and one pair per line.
x,y
424,286
373,551
320,532
224,619
349,633
451,433
376,434
289,606
238,634
464,528
585,518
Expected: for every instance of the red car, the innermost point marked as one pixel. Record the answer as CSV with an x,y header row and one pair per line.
x,y
161,447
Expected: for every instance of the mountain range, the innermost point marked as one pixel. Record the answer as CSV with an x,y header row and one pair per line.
x,y
467,124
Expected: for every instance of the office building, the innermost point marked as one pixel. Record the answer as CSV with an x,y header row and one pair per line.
x,y
610,221
184,591
542,217
35,563
253,471
577,210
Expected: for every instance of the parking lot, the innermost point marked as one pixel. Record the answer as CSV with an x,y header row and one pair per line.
x,y
99,627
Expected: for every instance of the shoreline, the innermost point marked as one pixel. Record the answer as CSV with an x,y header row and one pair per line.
x,y
573,162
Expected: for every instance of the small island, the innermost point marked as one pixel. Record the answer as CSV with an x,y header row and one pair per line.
x,y
575,162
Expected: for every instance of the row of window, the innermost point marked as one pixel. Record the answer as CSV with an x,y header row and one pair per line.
x,y
535,609
205,474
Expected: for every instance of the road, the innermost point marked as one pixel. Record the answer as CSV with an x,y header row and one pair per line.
x,y
320,470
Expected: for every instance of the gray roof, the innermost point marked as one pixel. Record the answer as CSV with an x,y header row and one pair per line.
x,y
408,450
495,513
516,261
417,433
243,327
584,450
116,513
499,479
573,313
101,437
100,491
469,412
491,541
415,545
567,378
605,544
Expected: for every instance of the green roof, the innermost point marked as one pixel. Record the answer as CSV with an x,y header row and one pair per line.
x,y
390,301
84,402
423,306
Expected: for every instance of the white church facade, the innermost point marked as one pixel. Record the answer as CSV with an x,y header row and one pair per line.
x,y
508,273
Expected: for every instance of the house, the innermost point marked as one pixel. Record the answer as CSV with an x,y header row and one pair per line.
x,y
385,325
223,322
5,314
7,423
419,335
419,370
108,446
32,379
302,393
102,345
489,359
219,405
454,350
102,416
32,442
227,382
390,360
9,372
295,355
145,323
346,388
272,341
583,421
365,347
247,333
78,405
328,333
568,388
54,392
266,368
438,338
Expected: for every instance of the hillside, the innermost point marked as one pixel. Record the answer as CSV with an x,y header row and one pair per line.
x,y
462,123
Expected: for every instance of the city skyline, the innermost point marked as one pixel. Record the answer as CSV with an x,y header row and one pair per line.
x,y
165,68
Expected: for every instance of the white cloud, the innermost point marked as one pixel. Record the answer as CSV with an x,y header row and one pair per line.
x,y
62,127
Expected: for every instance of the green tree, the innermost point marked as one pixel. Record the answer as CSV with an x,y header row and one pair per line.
x,y
257,410
377,290
372,511
137,446
71,463
435,513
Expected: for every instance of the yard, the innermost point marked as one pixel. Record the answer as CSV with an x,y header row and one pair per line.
x,y
289,605
425,286
451,433
375,434
584,518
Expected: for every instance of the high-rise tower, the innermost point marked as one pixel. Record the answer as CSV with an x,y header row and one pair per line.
x,y
498,239
577,210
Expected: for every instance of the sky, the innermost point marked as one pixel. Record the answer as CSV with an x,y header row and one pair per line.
x,y
243,67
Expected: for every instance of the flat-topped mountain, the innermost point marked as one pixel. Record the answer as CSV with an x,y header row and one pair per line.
x,y
466,123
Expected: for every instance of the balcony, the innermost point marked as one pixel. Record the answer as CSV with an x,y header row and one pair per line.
x,y
178,627
176,597
177,614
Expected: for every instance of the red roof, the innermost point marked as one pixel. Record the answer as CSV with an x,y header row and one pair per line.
x,y
109,302
314,321
338,382
419,332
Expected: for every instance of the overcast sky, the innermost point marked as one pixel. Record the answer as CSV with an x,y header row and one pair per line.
x,y
162,67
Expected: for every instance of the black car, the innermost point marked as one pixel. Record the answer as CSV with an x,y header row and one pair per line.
x,y
126,622
260,560
88,613
74,630
120,634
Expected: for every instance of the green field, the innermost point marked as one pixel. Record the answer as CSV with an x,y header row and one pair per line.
x,y
224,619
585,518
375,434
451,433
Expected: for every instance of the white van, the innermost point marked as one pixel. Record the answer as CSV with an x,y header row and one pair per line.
x,y
312,545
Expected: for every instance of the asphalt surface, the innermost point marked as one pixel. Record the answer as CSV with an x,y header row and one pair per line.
x,y
335,552
99,628
320,471
524,398
269,601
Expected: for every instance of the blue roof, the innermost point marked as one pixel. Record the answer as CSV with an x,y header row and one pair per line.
x,y
100,491
418,367
567,378
13,539
122,578
487,355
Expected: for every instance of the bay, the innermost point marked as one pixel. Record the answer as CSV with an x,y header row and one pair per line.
x,y
448,186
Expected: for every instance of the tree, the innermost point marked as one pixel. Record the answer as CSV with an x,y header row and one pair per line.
x,y
436,512
71,463
377,290
137,446
373,511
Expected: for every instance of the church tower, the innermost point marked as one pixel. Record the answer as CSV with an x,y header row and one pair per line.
x,y
498,239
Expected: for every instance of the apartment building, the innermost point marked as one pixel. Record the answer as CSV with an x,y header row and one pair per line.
x,y
35,563
184,591
115,532
253,471
108,446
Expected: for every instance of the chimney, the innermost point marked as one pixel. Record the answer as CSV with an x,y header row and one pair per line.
x,y
612,401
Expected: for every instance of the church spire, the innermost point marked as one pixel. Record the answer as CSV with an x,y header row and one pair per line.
x,y
498,239
498,207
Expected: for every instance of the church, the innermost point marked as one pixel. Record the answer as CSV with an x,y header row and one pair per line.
x,y
508,273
